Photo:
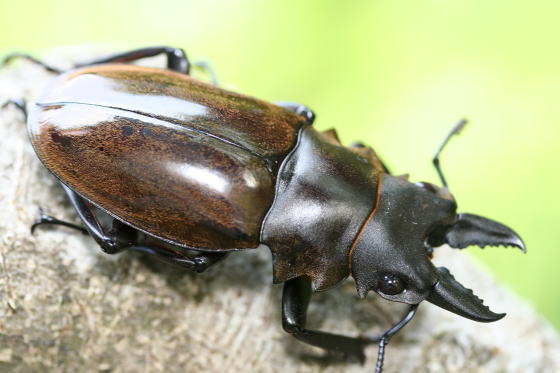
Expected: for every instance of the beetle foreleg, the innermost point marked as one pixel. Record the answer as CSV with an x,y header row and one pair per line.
x,y
176,58
295,300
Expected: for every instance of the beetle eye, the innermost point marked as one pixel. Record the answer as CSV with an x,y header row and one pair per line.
x,y
391,285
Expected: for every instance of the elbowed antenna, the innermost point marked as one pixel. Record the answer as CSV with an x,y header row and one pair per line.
x,y
454,131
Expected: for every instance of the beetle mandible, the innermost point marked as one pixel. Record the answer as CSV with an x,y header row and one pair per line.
x,y
181,166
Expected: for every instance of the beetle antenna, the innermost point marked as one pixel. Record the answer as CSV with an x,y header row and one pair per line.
x,y
386,337
454,131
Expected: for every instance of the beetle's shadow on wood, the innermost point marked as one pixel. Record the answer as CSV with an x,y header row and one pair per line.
x,y
244,269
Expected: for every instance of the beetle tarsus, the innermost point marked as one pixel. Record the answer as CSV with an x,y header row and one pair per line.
x,y
176,58
14,56
45,219
19,103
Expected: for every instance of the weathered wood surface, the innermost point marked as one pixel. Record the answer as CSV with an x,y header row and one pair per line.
x,y
66,307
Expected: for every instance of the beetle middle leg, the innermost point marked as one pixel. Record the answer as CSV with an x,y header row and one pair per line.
x,y
299,109
295,301
198,263
206,67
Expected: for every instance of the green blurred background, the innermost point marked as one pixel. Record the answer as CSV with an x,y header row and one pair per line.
x,y
394,74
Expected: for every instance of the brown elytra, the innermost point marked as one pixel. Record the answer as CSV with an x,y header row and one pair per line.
x,y
197,166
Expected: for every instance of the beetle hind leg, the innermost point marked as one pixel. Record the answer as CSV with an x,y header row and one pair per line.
x,y
45,219
122,236
176,58
19,103
22,56
112,241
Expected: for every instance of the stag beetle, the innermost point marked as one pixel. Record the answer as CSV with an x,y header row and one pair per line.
x,y
179,166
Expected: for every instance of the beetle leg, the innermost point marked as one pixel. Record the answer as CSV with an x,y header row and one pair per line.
x,y
14,56
18,103
198,263
295,300
120,236
176,58
207,68
299,109
45,219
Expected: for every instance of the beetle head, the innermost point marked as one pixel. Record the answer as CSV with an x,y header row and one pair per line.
x,y
392,255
